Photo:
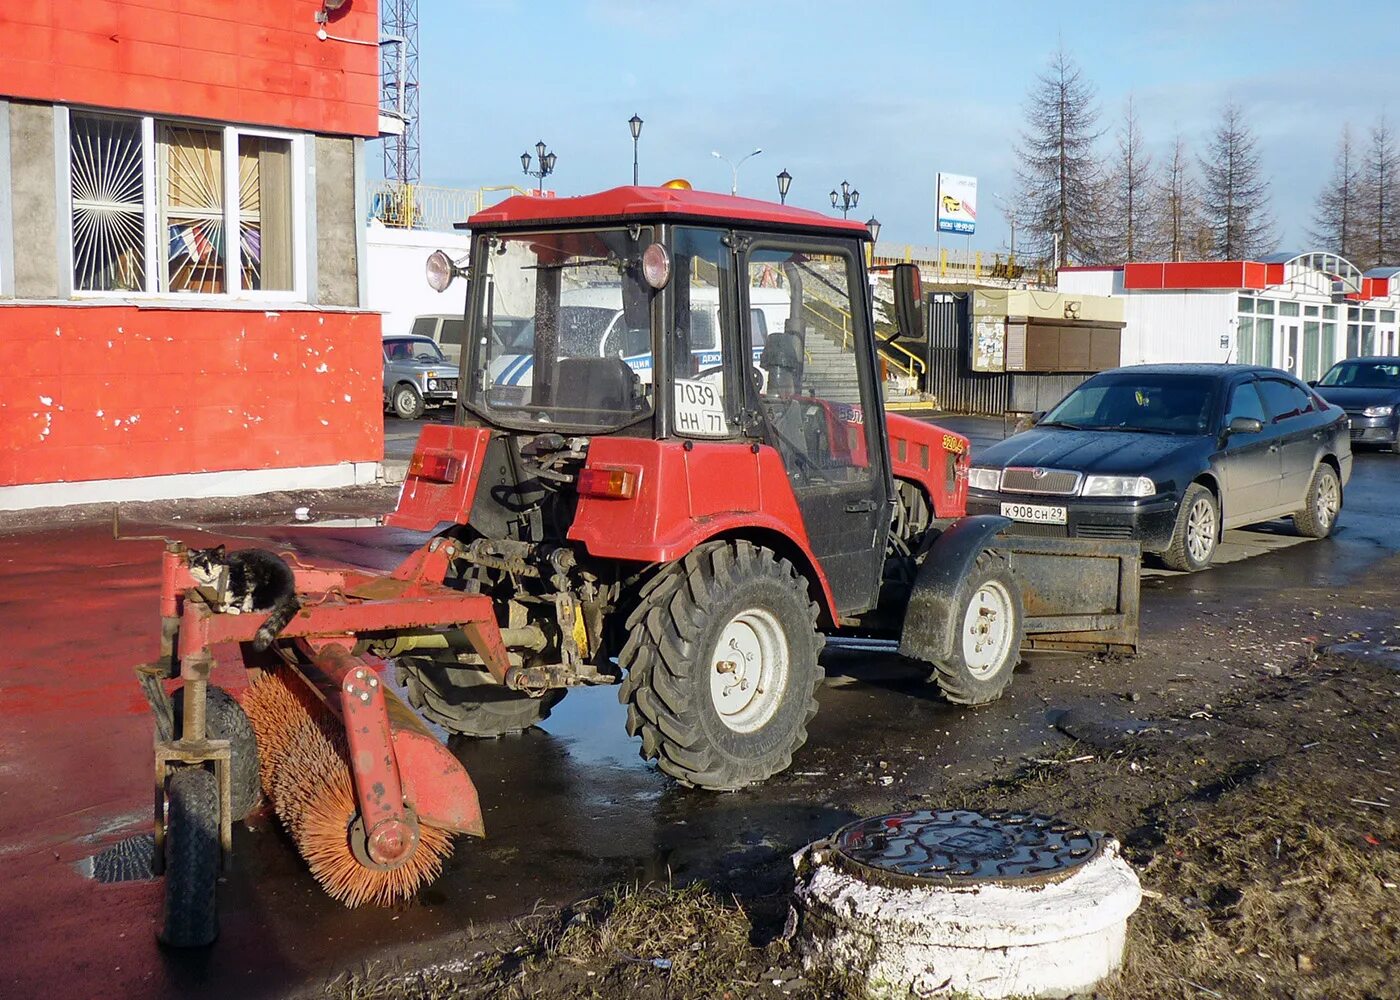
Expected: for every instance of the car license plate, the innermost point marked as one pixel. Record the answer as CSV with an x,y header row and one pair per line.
x,y
1034,513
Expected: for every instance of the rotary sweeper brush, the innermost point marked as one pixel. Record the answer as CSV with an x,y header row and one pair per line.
x,y
671,471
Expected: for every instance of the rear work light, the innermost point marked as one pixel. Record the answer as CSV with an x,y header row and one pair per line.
x,y
616,484
435,465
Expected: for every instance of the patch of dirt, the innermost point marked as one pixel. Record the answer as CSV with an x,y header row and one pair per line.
x,y
1265,828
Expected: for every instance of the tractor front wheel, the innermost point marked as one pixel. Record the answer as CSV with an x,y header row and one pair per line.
x,y
466,700
721,661
192,856
987,646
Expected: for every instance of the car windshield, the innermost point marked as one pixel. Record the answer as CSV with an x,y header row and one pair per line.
x,y
1145,403
413,349
556,304
1364,375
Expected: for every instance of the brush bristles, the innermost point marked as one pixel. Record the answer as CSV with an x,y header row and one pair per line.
x,y
305,772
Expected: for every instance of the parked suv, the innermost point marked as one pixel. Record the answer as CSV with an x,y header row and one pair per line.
x,y
416,375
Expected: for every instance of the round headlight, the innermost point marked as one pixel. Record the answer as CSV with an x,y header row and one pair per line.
x,y
440,271
656,266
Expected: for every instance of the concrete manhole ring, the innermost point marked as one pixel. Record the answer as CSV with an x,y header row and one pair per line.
x,y
987,904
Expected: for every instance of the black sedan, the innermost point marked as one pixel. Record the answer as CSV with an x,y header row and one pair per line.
x,y
1369,390
1172,455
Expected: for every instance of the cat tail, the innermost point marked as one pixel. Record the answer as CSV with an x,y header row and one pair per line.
x,y
282,613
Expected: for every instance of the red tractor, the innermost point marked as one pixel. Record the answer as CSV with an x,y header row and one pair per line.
x,y
672,471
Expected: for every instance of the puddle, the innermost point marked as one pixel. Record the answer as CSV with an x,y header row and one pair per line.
x,y
1378,654
1104,733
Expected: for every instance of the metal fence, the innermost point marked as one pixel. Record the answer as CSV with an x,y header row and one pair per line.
x,y
424,206
945,264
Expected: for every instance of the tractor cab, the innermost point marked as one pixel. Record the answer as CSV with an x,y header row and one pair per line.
x,y
705,320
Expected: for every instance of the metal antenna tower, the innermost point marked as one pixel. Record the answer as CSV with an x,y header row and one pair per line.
x,y
398,76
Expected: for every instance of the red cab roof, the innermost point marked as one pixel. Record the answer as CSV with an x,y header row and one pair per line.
x,y
651,202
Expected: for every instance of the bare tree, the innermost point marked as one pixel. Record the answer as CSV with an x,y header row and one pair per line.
x,y
1379,239
1183,233
1235,204
1058,172
1133,202
1337,221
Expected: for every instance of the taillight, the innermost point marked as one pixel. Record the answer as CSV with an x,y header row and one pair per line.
x,y
437,466
616,484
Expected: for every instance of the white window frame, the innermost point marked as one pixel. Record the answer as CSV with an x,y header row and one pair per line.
x,y
157,251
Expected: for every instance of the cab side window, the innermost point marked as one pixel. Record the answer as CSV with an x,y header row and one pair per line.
x,y
1284,400
703,403
1245,402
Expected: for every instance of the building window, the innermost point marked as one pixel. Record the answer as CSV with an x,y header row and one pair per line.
x,y
108,187
1288,309
213,207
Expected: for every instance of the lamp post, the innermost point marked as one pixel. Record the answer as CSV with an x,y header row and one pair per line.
x,y
1010,214
784,182
734,167
546,161
873,224
635,124
846,200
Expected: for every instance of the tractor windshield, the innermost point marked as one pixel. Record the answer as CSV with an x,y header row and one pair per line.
x,y
569,321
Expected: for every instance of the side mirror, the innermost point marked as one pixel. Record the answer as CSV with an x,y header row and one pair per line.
x,y
1245,425
636,300
908,301
1312,382
1037,417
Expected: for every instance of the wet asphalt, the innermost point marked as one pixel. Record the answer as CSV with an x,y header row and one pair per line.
x,y
570,808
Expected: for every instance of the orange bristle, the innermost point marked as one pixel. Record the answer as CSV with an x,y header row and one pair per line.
x,y
305,774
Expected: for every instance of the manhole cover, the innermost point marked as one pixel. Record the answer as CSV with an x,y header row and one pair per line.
x,y
960,846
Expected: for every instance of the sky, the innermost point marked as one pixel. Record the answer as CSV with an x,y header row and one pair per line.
x,y
883,94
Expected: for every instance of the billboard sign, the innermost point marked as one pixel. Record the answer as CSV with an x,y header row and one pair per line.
x,y
957,204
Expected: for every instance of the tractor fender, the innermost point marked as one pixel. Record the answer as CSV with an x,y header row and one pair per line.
x,y
931,618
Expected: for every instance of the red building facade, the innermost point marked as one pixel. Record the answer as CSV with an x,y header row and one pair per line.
x,y
181,249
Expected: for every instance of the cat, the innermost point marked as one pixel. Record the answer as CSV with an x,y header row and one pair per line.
x,y
258,580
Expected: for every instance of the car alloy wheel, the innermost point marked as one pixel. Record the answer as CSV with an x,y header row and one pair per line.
x,y
1201,530
1329,501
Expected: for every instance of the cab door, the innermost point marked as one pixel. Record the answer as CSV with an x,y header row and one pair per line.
x,y
812,396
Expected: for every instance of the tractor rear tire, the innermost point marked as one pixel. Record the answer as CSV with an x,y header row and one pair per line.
x,y
192,856
224,719
987,645
721,662
467,701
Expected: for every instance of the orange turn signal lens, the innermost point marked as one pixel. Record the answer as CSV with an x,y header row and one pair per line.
x,y
437,466
616,484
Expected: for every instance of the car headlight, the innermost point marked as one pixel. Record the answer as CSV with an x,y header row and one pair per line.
x,y
984,479
1118,486
1378,411
432,384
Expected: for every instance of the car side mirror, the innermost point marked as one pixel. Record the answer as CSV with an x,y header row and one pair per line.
x,y
1245,425
1037,417
1312,382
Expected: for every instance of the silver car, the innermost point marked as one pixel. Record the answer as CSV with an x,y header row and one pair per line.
x,y
416,375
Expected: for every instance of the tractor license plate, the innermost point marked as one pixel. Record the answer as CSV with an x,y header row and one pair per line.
x,y
1033,513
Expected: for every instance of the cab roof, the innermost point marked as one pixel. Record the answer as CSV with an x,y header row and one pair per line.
x,y
661,204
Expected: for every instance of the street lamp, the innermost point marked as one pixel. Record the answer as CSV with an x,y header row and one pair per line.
x,y
635,124
784,182
546,160
846,200
873,224
734,167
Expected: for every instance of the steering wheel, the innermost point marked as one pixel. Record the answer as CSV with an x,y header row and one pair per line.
x,y
754,373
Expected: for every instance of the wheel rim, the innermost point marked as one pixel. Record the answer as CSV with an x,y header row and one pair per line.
x,y
749,670
987,629
404,401
1328,500
1200,530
